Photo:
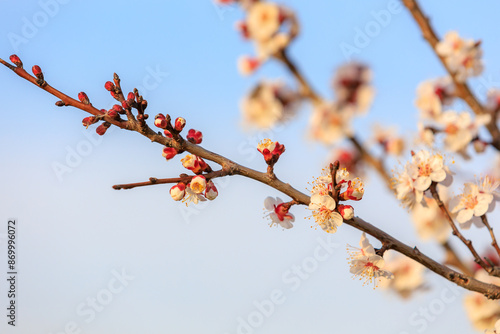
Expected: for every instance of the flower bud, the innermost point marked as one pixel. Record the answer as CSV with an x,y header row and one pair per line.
x,y
270,150
109,86
112,113
346,211
83,98
144,104
60,104
87,121
37,71
178,191
180,123
194,136
131,97
211,192
248,65
168,134
125,104
198,184
16,61
169,152
118,109
160,121
101,129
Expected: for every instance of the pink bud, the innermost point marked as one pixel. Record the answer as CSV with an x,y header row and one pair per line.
x,y
160,121
211,192
16,61
168,134
109,86
125,104
131,96
112,113
346,211
194,136
169,152
83,98
178,191
180,123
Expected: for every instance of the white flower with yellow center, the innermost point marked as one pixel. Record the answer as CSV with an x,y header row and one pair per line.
x,y
366,264
426,168
470,204
323,207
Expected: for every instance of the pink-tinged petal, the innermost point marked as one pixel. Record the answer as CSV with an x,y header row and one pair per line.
x,y
480,209
290,217
438,175
269,203
328,202
286,224
464,215
358,267
422,183
377,261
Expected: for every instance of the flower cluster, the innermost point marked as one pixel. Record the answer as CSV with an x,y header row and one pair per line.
x,y
327,213
198,189
269,104
463,57
417,176
366,264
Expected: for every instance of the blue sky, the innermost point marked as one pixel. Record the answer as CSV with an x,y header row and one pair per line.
x,y
201,269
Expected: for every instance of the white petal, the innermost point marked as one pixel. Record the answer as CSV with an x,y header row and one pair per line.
x,y
464,215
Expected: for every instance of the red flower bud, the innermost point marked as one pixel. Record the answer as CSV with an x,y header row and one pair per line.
x,y
168,134
109,86
131,96
180,123
194,136
112,113
118,109
87,121
125,104
169,153
160,121
83,98
16,61
37,71
101,129
144,104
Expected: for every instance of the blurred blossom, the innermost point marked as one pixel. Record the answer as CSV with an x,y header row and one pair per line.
x,y
269,104
388,139
329,123
352,86
482,312
432,95
430,222
462,56
460,129
408,275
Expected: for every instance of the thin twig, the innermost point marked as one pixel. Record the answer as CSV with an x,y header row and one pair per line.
x,y
456,231
490,229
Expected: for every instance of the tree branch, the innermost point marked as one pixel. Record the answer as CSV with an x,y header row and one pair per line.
x,y
462,89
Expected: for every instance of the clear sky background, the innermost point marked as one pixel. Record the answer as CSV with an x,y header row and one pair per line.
x,y
202,269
